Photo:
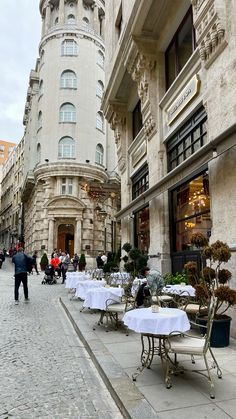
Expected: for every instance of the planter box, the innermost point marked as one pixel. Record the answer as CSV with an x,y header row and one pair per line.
x,y
220,334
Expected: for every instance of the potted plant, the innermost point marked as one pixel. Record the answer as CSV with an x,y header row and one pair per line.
x,y
213,279
82,262
44,261
135,259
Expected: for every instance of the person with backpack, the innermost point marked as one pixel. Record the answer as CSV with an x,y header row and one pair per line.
x,y
23,264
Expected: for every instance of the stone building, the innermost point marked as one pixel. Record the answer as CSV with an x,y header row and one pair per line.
x,y
6,220
71,187
170,100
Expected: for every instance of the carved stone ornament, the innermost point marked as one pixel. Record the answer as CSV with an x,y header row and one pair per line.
x,y
117,121
209,22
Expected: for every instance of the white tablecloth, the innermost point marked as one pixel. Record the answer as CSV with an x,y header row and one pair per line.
x,y
83,286
119,278
168,320
72,278
96,297
180,289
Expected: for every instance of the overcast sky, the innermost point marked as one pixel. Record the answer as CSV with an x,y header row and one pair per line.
x,y
20,30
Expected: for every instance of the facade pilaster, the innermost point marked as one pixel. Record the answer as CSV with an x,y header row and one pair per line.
x,y
61,12
51,224
117,121
47,17
78,235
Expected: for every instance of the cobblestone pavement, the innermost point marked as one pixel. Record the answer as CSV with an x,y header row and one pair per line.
x,y
45,371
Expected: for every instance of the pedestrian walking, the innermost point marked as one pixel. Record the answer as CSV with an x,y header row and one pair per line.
x,y
65,260
104,258
22,264
2,258
35,255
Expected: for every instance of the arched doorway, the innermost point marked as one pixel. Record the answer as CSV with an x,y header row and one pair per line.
x,y
65,238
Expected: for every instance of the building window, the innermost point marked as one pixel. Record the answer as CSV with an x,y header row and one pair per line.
x,y
38,153
40,88
137,119
69,47
99,89
100,59
142,230
140,182
99,154
66,186
71,20
191,212
68,80
2,147
180,48
190,138
66,148
100,121
40,119
85,22
56,21
67,113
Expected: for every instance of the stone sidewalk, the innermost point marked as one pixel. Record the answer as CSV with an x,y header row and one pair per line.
x,y
117,356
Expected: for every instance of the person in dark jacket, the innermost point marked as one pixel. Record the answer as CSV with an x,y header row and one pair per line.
x,y
22,264
35,255
2,258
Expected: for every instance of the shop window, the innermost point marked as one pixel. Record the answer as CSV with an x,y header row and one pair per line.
x,y
188,139
140,182
142,230
137,119
191,212
180,48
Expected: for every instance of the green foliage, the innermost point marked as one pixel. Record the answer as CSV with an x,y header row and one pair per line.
x,y
175,279
135,260
127,247
110,267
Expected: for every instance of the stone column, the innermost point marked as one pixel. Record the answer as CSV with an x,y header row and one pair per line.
x,y
51,223
96,23
78,236
47,18
61,19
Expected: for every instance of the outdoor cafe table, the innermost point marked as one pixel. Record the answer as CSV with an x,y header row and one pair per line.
x,y
83,286
96,297
72,278
180,289
154,325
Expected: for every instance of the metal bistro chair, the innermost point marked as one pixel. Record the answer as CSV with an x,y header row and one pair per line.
x,y
189,344
192,307
114,309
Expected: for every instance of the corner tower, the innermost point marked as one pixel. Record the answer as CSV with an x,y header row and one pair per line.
x,y
71,187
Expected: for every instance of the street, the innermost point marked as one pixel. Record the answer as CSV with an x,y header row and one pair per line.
x,y
45,369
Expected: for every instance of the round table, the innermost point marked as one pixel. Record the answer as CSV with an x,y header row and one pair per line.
x,y
96,297
72,278
154,326
82,287
178,289
143,320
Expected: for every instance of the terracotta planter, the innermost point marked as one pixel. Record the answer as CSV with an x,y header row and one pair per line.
x,y
220,334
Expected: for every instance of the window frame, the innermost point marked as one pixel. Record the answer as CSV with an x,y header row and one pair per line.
x,y
69,50
140,181
66,150
67,116
68,82
99,154
100,121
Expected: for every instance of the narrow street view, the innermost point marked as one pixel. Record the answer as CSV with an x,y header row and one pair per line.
x,y
45,370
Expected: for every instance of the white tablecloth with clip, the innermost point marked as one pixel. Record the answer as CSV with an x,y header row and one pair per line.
x,y
168,320
96,297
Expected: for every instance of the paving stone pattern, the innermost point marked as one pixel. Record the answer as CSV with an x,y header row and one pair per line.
x,y
45,371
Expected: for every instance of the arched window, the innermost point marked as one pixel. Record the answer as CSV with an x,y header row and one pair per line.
x,y
69,47
68,80
71,19
67,113
100,121
99,154
100,59
85,22
38,153
42,57
66,148
99,89
40,119
56,21
40,88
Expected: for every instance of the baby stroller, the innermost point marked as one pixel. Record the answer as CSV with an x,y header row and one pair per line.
x,y
50,276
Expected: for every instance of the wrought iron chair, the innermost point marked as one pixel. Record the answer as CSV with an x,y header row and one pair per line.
x,y
189,344
114,309
192,307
